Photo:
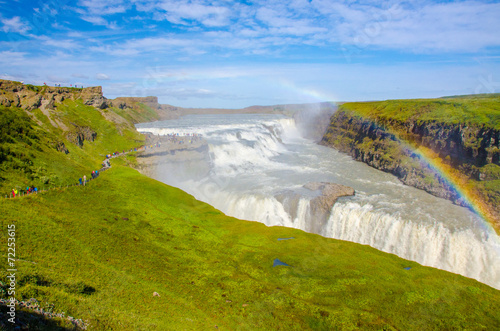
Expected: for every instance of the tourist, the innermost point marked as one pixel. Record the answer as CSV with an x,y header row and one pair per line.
x,y
80,180
84,179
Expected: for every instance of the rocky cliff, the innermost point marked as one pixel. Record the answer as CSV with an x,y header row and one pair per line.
x,y
30,97
396,143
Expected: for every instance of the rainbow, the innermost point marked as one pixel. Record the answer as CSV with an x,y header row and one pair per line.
x,y
446,173
455,182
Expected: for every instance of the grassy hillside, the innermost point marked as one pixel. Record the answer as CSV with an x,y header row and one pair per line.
x,y
29,144
99,252
478,110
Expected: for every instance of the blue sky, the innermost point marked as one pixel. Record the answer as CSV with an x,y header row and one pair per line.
x,y
235,54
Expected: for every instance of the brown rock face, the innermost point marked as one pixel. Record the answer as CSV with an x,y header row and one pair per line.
x,y
320,206
92,96
29,97
330,192
80,134
61,147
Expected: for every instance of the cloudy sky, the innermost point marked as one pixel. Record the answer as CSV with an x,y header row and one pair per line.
x,y
232,54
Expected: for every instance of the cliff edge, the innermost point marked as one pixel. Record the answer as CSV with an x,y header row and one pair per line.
x,y
419,140
29,97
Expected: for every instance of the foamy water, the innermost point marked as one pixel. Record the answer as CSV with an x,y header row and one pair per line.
x,y
254,158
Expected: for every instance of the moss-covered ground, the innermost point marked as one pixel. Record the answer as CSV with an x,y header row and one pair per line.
x,y
478,110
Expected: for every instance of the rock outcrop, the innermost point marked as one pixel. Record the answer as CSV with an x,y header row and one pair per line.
x,y
321,206
81,134
322,198
29,97
372,144
92,96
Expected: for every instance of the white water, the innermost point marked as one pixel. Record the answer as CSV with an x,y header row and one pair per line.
x,y
254,158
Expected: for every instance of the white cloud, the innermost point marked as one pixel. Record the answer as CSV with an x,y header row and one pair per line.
x,y
135,47
60,43
412,26
465,26
108,7
98,20
182,12
102,76
12,58
6,76
14,24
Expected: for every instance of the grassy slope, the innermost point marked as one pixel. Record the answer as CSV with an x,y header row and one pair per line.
x,y
474,110
102,250
36,161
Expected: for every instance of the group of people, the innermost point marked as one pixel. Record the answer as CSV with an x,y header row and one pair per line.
x,y
59,85
109,156
83,180
29,190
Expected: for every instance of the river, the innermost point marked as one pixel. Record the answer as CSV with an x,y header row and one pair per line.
x,y
254,159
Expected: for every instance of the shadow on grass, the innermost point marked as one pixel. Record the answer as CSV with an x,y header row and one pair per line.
x,y
29,320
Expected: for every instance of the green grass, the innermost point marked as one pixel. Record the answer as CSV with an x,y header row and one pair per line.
x,y
102,250
28,154
141,113
471,110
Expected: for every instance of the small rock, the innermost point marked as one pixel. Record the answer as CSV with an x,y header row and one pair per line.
x,y
155,294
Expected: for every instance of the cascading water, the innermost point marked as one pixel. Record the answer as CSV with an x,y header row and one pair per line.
x,y
260,163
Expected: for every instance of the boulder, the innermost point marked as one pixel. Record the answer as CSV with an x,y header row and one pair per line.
x,y
322,205
322,198
92,96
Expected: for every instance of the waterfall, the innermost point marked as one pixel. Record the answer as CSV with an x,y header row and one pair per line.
x,y
260,163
